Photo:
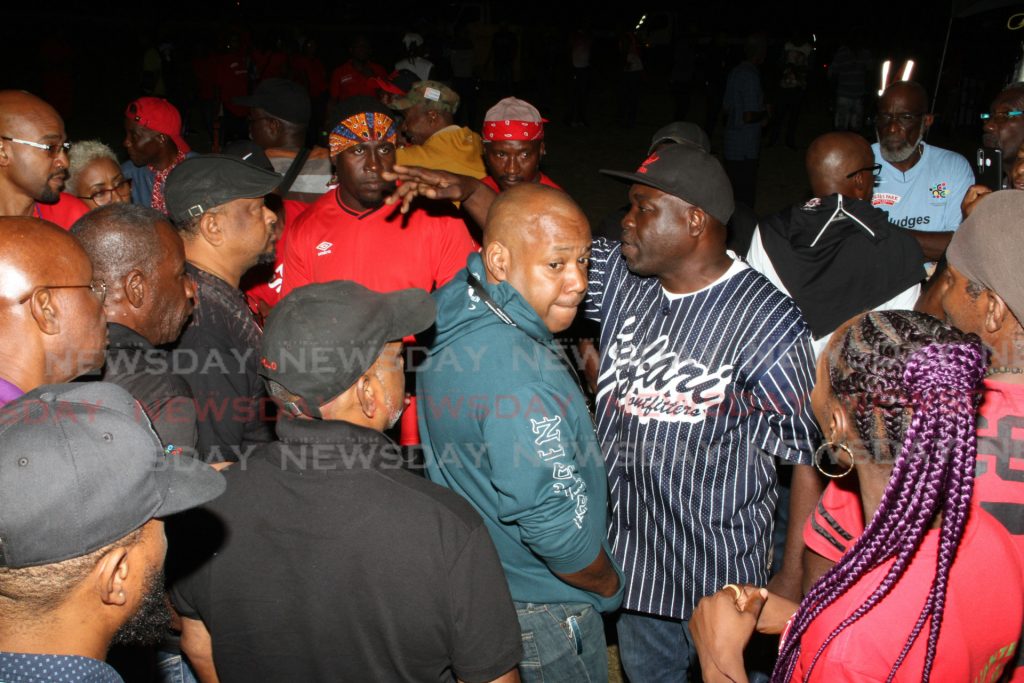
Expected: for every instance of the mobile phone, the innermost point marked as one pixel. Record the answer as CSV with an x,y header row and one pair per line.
x,y
989,168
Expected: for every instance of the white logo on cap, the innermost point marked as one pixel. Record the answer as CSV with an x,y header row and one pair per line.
x,y
432,94
324,248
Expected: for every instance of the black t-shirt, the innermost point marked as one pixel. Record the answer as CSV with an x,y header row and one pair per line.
x,y
336,564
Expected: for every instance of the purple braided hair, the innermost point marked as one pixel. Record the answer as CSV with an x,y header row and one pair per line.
x,y
905,378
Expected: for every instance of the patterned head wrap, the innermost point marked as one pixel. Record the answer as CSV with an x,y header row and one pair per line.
x,y
363,127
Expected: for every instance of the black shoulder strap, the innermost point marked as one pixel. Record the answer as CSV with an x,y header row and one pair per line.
x,y
293,171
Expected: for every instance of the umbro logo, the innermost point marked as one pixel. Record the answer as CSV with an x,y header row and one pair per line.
x,y
324,248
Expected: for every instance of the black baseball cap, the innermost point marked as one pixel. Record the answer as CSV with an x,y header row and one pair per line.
x,y
81,467
361,104
681,132
201,183
322,337
249,152
689,173
281,98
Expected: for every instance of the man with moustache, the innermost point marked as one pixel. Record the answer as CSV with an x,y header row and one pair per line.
x,y
139,255
216,203
704,381
84,491
513,136
1003,125
350,234
34,161
919,186
52,326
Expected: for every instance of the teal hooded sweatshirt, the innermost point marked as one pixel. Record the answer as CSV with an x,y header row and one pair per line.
x,y
503,423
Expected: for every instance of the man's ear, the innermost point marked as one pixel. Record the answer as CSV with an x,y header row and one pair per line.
x,y
543,149
45,311
928,120
366,396
696,221
111,574
497,261
4,159
997,313
210,229
135,288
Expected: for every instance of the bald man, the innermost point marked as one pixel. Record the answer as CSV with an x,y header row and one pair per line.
x,y
504,423
919,186
139,254
52,325
836,255
34,161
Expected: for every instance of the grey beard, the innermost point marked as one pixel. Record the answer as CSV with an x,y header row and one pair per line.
x,y
901,154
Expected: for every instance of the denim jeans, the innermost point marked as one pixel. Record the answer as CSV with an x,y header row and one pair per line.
x,y
562,643
172,667
653,649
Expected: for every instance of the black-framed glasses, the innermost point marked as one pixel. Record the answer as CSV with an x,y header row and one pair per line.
x,y
98,287
1001,116
103,197
53,149
904,119
874,168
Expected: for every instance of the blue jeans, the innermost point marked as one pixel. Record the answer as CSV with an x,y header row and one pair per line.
x,y
653,649
172,667
562,643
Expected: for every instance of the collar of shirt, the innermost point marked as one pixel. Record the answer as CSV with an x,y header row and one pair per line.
x,y
121,337
32,668
334,445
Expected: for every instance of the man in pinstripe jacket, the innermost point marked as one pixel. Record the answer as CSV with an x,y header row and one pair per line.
x,y
705,375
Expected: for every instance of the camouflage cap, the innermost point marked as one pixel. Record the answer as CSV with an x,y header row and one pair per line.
x,y
433,94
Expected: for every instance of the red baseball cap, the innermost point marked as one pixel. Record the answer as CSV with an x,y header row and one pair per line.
x,y
158,115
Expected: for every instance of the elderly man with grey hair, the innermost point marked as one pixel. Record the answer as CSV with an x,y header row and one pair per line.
x,y
95,175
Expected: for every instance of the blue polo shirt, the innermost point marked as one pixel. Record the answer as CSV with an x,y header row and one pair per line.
x,y
927,197
16,667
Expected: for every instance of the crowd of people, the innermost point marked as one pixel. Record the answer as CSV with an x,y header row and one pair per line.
x,y
389,409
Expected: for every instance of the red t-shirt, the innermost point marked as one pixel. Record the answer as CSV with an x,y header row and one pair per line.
x,y
348,81
64,213
981,622
998,482
493,184
232,80
270,292
381,249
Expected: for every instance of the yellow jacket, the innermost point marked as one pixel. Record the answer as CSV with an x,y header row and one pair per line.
x,y
452,149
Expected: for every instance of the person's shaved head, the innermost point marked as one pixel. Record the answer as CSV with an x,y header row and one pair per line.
x,y
832,157
537,239
911,92
523,211
26,172
52,326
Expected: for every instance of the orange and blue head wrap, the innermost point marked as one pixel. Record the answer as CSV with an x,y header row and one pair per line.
x,y
362,127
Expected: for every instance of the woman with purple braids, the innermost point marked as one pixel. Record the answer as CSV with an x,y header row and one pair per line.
x,y
933,589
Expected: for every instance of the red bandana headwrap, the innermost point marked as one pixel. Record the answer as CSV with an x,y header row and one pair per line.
x,y
513,130
359,128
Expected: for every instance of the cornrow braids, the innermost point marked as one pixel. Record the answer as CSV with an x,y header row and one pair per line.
x,y
905,378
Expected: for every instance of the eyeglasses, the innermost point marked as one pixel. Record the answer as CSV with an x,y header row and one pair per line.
x,y
905,120
98,287
1001,116
53,150
874,168
106,195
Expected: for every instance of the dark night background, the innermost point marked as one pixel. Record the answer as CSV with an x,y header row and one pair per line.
x,y
86,59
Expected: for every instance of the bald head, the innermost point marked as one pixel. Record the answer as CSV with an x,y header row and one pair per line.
x,y
537,240
519,214
909,92
121,237
28,173
52,327
834,156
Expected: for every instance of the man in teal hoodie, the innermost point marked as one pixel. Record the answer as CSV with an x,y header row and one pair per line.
x,y
505,424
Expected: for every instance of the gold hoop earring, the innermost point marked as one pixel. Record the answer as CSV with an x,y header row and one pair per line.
x,y
832,446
